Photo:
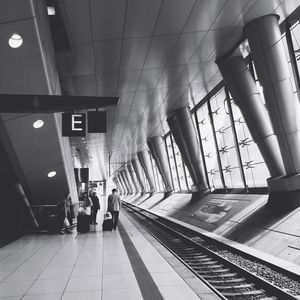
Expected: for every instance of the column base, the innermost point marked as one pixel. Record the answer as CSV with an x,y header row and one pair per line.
x,y
284,193
168,194
199,195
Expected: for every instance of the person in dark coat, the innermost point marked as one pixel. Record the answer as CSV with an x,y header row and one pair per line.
x,y
95,208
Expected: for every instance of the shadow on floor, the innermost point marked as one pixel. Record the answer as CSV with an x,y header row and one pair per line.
x,y
256,223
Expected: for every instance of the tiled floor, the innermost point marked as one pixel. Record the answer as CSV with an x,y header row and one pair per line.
x,y
91,266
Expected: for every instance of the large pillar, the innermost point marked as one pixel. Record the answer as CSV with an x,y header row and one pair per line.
x,y
158,150
133,177
128,189
146,165
127,176
120,179
184,132
246,95
139,173
272,70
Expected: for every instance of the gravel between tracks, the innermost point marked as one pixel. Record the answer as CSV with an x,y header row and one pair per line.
x,y
290,285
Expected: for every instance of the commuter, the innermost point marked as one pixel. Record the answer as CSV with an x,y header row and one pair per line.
x,y
109,201
86,204
116,206
69,207
95,207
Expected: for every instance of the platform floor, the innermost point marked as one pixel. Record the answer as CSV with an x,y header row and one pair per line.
x,y
121,264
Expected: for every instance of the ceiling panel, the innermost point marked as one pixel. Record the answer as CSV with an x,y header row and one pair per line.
x,y
24,62
62,66
133,53
85,85
141,17
203,15
107,56
16,10
128,81
108,19
208,45
232,13
80,61
170,76
185,47
160,49
189,73
78,14
149,79
107,84
173,16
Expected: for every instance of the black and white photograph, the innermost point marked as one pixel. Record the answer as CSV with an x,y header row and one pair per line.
x,y
150,149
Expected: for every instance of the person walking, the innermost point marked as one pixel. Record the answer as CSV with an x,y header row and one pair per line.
x,y
95,207
116,207
109,201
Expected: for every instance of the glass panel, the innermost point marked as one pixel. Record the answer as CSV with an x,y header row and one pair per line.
x,y
209,148
225,138
255,169
172,163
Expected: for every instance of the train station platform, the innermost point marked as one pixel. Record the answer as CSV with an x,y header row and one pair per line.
x,y
121,264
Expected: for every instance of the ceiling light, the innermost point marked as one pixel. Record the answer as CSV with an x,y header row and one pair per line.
x,y
51,174
15,41
50,10
38,124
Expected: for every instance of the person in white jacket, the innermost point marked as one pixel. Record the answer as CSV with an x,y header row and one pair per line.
x,y
115,208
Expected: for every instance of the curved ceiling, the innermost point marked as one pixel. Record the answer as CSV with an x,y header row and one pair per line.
x,y
155,55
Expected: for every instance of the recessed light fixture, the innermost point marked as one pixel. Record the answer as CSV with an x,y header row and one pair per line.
x,y
15,41
38,124
50,10
51,174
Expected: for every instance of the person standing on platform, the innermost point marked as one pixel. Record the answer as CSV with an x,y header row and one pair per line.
x,y
109,201
116,207
95,208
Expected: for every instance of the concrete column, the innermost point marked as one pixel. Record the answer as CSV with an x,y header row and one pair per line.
x,y
146,165
139,173
128,178
158,150
120,179
125,182
184,133
244,91
272,69
133,177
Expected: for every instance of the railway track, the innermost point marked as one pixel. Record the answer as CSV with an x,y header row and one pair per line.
x,y
226,278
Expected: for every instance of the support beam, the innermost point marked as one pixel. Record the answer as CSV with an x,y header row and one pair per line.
x,y
246,95
123,186
184,133
272,70
146,165
116,182
127,176
139,173
158,150
133,177
125,183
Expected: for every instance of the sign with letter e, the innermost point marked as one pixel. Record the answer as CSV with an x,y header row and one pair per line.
x,y
73,124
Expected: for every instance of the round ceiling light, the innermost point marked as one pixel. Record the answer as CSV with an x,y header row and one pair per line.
x,y
15,41
38,124
51,174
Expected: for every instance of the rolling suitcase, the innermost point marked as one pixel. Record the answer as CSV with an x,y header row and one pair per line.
x,y
53,224
83,223
107,222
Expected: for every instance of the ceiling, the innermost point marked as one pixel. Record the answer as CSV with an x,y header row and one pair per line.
x,y
155,55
